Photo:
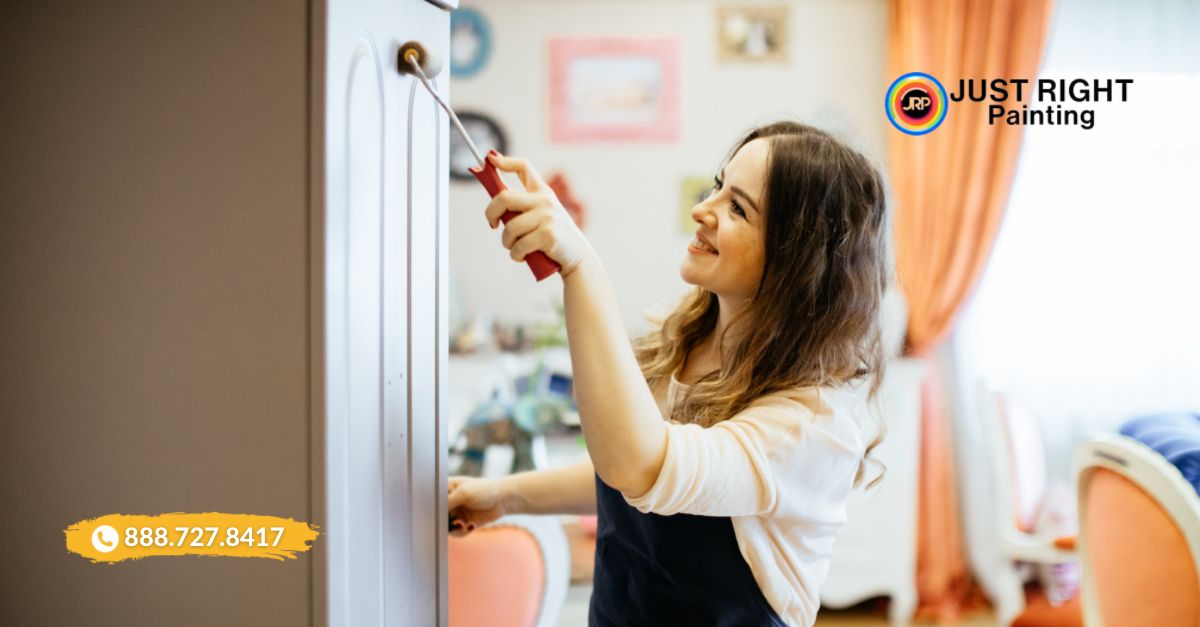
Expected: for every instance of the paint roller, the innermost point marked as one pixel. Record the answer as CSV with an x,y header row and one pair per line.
x,y
416,60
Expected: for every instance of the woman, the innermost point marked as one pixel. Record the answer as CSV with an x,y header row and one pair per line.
x,y
724,443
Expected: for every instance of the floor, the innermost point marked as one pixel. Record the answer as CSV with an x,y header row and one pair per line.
x,y
575,611
574,614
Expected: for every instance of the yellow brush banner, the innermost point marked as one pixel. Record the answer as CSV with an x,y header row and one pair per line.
x,y
118,537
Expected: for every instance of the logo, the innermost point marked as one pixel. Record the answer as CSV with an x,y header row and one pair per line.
x,y
105,539
916,103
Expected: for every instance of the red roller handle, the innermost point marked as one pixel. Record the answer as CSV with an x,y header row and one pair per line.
x,y
541,265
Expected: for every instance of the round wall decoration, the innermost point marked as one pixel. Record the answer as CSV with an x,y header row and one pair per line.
x,y
486,134
470,42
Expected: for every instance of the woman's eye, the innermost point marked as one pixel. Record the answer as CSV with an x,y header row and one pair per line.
x,y
737,209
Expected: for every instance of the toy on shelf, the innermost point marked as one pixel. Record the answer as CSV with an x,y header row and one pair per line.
x,y
543,402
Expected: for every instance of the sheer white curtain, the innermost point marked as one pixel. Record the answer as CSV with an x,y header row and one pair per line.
x,y
1089,311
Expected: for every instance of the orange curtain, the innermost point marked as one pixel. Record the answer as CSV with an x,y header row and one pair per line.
x,y
951,187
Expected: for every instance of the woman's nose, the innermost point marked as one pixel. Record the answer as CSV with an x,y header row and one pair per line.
x,y
703,213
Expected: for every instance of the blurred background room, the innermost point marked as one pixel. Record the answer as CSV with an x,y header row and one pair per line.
x,y
244,268
1045,307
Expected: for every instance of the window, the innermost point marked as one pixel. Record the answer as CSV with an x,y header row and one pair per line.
x,y
1089,310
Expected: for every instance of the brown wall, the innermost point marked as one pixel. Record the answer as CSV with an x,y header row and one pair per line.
x,y
153,299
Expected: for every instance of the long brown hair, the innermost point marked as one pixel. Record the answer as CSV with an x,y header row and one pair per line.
x,y
815,317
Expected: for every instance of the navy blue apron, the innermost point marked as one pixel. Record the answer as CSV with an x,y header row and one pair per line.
x,y
670,570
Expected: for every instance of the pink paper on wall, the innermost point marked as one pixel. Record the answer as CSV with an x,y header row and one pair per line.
x,y
614,89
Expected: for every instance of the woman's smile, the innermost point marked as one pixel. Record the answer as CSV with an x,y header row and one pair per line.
x,y
700,246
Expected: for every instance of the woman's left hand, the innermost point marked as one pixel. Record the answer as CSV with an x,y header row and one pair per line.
x,y
543,223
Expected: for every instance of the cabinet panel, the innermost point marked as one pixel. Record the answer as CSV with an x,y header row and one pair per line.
x,y
386,172
355,417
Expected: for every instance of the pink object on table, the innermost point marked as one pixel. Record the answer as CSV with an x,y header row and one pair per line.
x,y
589,524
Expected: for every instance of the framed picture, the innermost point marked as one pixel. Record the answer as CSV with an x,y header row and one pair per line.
x,y
486,134
752,33
614,89
470,42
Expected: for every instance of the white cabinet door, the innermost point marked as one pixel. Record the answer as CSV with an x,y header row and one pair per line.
x,y
385,246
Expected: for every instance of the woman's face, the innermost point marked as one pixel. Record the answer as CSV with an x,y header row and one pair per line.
x,y
730,220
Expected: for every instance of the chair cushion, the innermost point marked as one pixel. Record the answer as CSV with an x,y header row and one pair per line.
x,y
1175,437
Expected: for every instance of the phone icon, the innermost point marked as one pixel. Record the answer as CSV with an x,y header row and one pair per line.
x,y
105,538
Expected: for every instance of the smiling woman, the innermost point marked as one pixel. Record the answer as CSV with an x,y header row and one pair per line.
x,y
759,372
796,220
739,425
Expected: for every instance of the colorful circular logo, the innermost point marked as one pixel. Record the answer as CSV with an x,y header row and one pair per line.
x,y
916,103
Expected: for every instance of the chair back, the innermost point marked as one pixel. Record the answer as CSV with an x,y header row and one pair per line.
x,y
1018,459
511,573
1139,537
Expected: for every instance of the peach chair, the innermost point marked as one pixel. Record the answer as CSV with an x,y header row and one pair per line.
x,y
1139,537
511,573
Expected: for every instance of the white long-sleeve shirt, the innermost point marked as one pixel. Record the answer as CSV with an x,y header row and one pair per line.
x,y
781,469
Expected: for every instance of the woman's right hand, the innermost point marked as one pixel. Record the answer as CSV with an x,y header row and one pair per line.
x,y
543,224
475,502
